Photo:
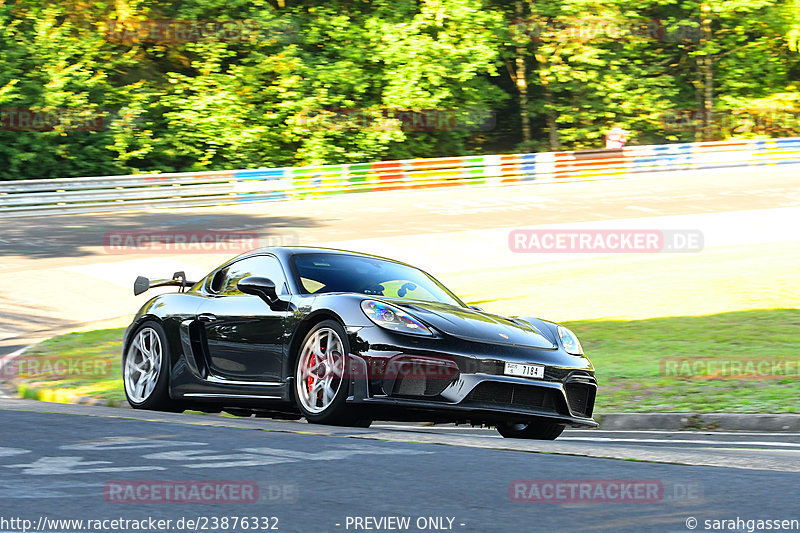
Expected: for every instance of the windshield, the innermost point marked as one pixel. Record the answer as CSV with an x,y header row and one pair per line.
x,y
320,273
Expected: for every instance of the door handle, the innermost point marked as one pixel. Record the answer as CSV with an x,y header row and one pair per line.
x,y
206,317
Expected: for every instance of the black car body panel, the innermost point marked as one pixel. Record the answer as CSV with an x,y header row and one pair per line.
x,y
235,350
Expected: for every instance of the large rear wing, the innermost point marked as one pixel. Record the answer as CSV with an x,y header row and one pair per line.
x,y
143,284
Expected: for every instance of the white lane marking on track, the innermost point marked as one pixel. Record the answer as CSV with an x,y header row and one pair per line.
x,y
486,433
480,432
269,456
210,460
31,490
8,452
48,466
752,450
683,441
672,432
124,443
204,458
330,455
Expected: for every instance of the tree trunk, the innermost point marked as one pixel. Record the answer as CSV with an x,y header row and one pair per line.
x,y
552,128
697,118
522,81
550,117
708,77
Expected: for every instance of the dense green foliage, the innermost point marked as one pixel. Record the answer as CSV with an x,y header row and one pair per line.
x,y
293,82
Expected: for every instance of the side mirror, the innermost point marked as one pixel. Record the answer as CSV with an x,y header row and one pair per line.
x,y
262,287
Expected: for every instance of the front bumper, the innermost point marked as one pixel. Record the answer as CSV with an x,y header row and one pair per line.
x,y
466,381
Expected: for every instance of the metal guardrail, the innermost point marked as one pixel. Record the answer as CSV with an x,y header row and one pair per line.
x,y
114,193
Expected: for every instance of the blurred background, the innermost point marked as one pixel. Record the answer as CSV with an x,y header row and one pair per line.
x,y
103,88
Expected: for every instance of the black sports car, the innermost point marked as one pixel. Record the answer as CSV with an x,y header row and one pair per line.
x,y
345,338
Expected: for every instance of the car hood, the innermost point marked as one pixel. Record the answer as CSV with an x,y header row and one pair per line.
x,y
473,325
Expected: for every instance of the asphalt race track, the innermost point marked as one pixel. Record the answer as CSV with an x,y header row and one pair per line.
x,y
59,462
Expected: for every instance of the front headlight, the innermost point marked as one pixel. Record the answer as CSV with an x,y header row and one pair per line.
x,y
390,317
569,341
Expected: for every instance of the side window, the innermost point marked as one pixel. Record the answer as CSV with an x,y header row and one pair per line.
x,y
218,281
265,266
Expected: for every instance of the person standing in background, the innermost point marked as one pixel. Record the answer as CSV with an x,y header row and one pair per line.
x,y
616,137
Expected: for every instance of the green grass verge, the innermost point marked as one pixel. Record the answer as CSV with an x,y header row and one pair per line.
x,y
642,365
81,364
649,365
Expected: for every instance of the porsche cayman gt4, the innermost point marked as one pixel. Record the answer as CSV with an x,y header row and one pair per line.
x,y
346,338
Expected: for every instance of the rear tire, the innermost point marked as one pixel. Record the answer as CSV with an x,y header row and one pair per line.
x,y
145,370
322,383
531,430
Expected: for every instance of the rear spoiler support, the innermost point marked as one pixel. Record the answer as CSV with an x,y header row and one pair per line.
x,y
143,284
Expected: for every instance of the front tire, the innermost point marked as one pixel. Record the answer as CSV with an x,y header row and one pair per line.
x,y
145,370
321,383
531,430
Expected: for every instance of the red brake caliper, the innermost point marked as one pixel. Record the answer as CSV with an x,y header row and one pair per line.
x,y
309,379
311,361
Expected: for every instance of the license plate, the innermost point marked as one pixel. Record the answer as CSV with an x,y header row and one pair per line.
x,y
525,371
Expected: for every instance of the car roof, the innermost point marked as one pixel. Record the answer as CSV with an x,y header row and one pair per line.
x,y
285,252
